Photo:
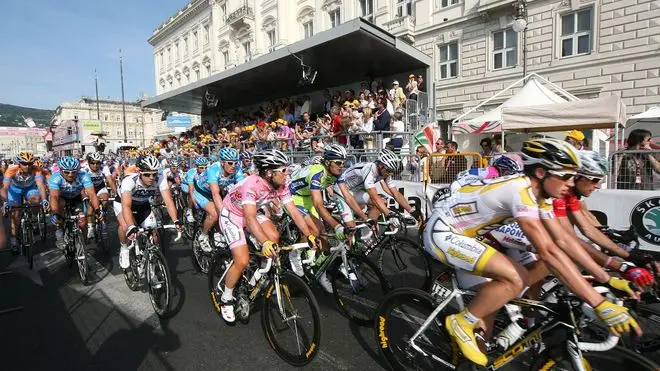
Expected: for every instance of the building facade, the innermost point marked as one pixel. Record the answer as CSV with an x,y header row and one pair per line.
x,y
17,139
591,48
74,124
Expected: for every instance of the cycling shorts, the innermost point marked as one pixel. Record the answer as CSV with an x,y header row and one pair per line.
x,y
453,249
510,236
467,280
233,227
143,215
16,196
102,191
305,205
184,188
200,199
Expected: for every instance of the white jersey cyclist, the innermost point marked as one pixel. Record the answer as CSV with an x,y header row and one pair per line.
x,y
359,178
141,195
98,177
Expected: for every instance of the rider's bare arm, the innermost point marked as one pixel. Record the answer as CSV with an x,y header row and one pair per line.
x,y
378,201
111,182
587,228
54,201
600,258
5,186
250,215
91,194
169,203
126,212
558,263
585,211
42,187
215,193
397,196
571,246
297,218
317,200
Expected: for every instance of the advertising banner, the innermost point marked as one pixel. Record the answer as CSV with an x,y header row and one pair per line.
x,y
179,121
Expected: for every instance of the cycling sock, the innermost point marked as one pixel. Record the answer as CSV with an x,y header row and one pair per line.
x,y
470,318
228,294
124,246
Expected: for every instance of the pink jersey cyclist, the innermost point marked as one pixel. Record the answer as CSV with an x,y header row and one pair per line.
x,y
253,190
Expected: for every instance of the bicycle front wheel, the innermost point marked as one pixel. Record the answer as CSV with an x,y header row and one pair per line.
x,y
357,288
81,258
404,263
27,241
557,359
291,321
159,283
400,315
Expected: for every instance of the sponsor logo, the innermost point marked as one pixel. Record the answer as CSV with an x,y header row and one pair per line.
x,y
383,339
464,209
459,255
520,347
467,244
645,217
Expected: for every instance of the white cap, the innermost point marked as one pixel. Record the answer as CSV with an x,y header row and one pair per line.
x,y
395,82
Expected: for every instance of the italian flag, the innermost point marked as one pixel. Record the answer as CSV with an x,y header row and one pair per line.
x,y
427,137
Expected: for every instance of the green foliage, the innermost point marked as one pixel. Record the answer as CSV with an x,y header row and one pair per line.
x,y
11,115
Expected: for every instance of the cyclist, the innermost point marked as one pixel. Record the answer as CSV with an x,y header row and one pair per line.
x,y
502,166
571,211
357,187
187,186
247,166
66,188
136,190
306,187
201,194
100,178
239,214
22,182
221,178
42,165
475,209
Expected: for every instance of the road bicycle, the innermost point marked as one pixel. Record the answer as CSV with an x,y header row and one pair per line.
x,y
74,243
201,259
410,332
148,267
29,221
267,284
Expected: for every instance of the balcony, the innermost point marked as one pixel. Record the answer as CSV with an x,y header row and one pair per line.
x,y
241,17
402,27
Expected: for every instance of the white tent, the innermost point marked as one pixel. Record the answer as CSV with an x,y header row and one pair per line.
x,y
596,113
533,93
649,120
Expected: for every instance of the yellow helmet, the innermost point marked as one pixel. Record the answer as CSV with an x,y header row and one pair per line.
x,y
25,158
39,164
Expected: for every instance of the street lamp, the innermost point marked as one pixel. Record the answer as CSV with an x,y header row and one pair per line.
x,y
520,25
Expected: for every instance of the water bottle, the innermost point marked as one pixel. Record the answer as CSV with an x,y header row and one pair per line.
x,y
296,263
515,330
255,278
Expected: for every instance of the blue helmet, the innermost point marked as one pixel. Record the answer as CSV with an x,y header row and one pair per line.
x,y
69,163
507,166
228,154
334,152
246,155
201,161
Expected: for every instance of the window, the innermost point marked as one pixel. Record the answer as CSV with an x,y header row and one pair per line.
x,y
308,29
169,57
367,9
208,70
446,3
272,40
225,57
105,117
161,62
176,52
247,50
335,18
206,34
223,12
185,47
195,42
504,49
403,8
576,29
448,60
197,75
119,118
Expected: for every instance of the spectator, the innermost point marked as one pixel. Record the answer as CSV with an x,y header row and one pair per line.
x,y
420,83
487,153
382,117
283,131
341,131
497,146
327,104
398,127
372,101
307,104
454,164
636,169
364,103
397,96
411,87
575,137
417,165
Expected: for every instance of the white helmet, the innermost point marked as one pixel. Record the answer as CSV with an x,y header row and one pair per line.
x,y
148,163
95,157
389,159
269,159
334,152
593,164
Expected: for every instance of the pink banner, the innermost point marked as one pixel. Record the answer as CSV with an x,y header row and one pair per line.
x,y
21,132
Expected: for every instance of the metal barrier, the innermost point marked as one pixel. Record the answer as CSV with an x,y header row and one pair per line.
x,y
634,170
443,168
417,112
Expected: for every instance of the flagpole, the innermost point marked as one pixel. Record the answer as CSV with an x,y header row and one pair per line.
x,y
123,103
98,106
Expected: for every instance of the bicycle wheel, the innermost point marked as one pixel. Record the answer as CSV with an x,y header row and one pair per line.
x,y
41,223
200,259
358,290
404,263
618,358
27,240
294,308
648,317
216,283
81,257
399,316
159,283
99,237
132,274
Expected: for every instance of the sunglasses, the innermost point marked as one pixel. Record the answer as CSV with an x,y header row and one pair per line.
x,y
563,175
202,167
230,163
338,162
69,172
93,163
26,163
593,179
150,174
282,170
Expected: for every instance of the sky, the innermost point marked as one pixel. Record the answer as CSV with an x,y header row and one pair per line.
x,y
49,49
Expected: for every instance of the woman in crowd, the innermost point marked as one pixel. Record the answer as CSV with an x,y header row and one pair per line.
x,y
636,169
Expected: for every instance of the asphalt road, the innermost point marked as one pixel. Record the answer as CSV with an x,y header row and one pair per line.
x,y
49,321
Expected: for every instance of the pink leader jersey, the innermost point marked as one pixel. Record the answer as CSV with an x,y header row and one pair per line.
x,y
253,190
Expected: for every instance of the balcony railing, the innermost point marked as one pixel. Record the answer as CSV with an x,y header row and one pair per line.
x,y
238,17
403,27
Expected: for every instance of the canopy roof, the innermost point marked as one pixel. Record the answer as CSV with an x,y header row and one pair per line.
x,y
596,113
344,54
649,120
531,94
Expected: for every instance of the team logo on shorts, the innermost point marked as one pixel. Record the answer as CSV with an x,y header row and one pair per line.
x,y
645,217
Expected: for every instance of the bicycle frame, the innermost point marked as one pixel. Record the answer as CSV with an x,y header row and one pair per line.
x,y
560,315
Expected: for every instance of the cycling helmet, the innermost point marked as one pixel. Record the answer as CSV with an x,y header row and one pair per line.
x,y
69,163
95,156
507,166
389,159
269,159
201,161
314,160
39,164
25,158
593,164
246,155
550,153
228,154
334,152
148,163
